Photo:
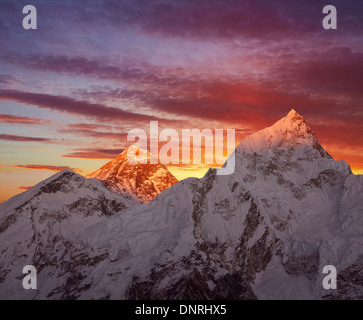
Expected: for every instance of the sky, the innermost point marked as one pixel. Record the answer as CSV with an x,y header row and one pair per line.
x,y
72,89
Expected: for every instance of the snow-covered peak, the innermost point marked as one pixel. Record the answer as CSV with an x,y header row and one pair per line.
x,y
292,114
288,133
65,186
133,154
293,121
30,193
138,180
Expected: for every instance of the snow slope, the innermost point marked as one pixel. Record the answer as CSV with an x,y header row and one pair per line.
x,y
45,227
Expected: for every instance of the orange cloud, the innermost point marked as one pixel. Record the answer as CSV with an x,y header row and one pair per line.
x,y
94,153
25,188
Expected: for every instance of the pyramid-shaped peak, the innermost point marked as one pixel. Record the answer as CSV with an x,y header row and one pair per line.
x,y
292,113
292,121
293,116
133,147
131,152
289,132
133,173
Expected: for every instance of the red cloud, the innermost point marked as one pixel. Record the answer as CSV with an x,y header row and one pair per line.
x,y
20,120
25,188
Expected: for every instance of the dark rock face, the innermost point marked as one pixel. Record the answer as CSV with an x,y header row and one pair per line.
x,y
349,283
302,266
62,183
206,273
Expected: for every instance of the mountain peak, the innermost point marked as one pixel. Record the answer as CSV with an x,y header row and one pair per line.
x,y
142,182
133,148
293,115
293,120
289,132
128,154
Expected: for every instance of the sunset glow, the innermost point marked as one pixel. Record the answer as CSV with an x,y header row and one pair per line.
x,y
71,90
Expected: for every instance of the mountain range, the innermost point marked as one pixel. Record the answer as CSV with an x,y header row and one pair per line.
x,y
264,232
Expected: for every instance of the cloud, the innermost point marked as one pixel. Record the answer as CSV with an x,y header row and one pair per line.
x,y
46,167
87,126
216,20
127,71
7,118
236,63
336,72
25,188
11,137
5,79
98,134
193,20
211,20
69,105
94,153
